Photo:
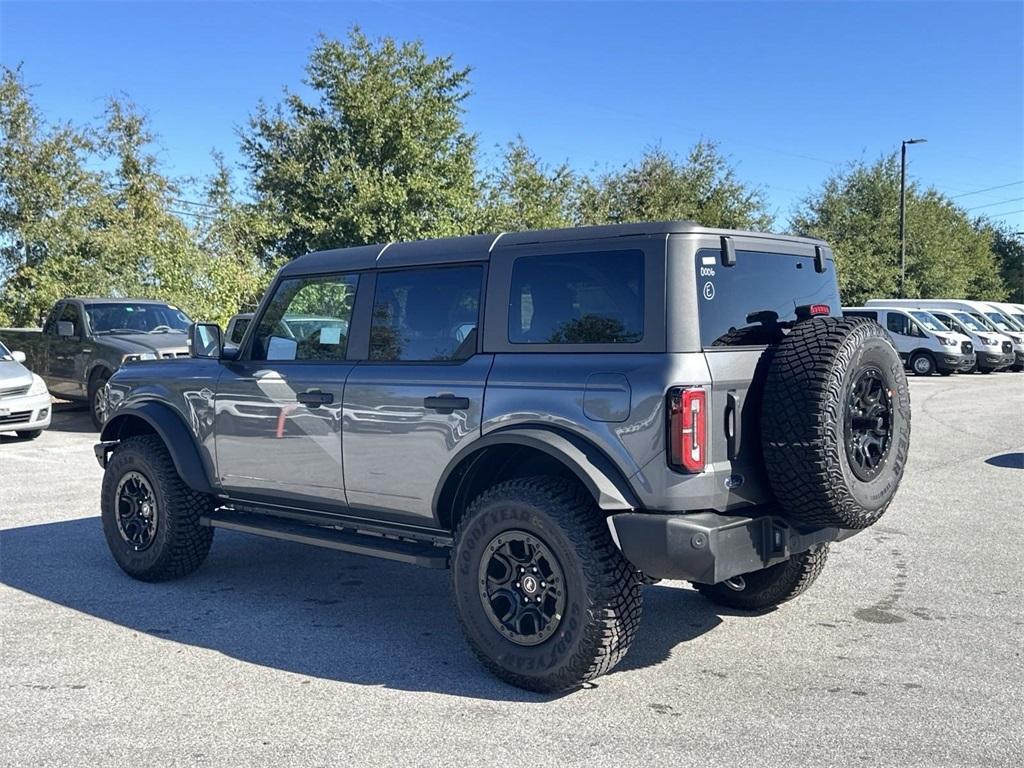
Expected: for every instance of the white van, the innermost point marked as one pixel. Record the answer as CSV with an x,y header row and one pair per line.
x,y
1010,323
998,350
924,343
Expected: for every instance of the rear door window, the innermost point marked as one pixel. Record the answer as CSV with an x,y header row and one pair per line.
x,y
426,314
749,303
577,298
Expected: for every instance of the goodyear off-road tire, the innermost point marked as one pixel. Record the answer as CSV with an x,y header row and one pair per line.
x,y
598,596
833,459
141,486
767,588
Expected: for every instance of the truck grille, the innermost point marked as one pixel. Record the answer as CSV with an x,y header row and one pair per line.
x,y
171,355
1007,347
15,418
14,391
966,347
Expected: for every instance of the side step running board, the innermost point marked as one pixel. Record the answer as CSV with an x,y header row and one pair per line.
x,y
401,550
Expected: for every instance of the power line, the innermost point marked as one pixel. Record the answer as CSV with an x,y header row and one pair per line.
x,y
989,205
987,189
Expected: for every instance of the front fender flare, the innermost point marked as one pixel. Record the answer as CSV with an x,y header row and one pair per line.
x,y
172,430
592,467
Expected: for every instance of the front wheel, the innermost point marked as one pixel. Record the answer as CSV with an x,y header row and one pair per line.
x,y
150,517
98,399
767,588
922,364
545,599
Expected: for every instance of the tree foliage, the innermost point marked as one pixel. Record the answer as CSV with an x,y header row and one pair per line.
x,y
526,194
703,187
86,210
378,153
857,212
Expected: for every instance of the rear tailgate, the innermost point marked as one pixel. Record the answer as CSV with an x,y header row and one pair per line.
x,y
744,310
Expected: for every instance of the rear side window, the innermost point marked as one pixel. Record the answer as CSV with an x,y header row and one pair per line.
x,y
426,314
578,298
749,303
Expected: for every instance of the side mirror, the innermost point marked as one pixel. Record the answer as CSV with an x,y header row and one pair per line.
x,y
19,356
204,341
65,328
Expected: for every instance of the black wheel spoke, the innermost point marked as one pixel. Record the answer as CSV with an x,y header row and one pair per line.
x,y
136,510
868,424
521,588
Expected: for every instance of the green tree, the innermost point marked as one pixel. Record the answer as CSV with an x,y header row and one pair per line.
x,y
87,210
523,193
378,153
857,212
703,187
1009,249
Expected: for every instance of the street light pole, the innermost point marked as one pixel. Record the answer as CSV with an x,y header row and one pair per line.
x,y
903,213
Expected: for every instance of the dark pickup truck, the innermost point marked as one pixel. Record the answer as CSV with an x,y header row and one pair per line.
x,y
84,340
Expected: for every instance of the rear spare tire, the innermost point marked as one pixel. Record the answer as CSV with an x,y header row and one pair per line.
x,y
835,422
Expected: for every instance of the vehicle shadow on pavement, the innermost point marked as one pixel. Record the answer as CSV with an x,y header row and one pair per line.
x,y
72,417
303,610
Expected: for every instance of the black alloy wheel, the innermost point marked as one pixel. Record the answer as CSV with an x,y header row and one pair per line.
x,y
868,423
136,511
522,587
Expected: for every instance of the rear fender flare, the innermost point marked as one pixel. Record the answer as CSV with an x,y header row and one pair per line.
x,y
605,482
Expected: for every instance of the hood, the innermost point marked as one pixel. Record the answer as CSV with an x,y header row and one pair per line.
x,y
14,375
134,343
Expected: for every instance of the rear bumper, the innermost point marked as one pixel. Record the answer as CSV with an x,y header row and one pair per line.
x,y
707,547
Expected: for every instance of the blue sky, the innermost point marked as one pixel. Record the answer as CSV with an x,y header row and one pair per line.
x,y
790,90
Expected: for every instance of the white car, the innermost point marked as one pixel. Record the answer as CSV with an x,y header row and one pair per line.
x,y
24,399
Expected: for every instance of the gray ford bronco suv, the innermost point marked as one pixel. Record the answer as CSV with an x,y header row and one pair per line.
x,y
556,416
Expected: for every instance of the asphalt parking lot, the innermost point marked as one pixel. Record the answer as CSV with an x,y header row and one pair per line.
x,y
907,652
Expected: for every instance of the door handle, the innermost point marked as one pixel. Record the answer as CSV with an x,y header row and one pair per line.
x,y
446,403
733,423
314,398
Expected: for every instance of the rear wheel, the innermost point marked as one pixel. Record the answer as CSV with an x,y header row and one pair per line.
x,y
767,588
922,364
150,517
545,599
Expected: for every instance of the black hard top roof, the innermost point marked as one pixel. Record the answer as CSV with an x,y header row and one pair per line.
x,y
479,247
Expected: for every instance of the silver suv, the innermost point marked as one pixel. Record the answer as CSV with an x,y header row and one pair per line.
x,y
557,416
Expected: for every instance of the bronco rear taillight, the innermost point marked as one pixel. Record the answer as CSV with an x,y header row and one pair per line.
x,y
688,429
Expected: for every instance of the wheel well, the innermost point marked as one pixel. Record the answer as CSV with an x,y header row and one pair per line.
x,y
122,427
97,371
488,466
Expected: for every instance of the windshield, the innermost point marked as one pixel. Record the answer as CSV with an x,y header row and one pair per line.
x,y
5,354
1020,319
125,317
985,322
969,321
929,321
1003,323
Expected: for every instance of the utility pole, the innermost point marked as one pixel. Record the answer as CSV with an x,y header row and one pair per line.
x,y
903,213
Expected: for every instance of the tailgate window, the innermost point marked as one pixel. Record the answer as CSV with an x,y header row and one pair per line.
x,y
749,304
